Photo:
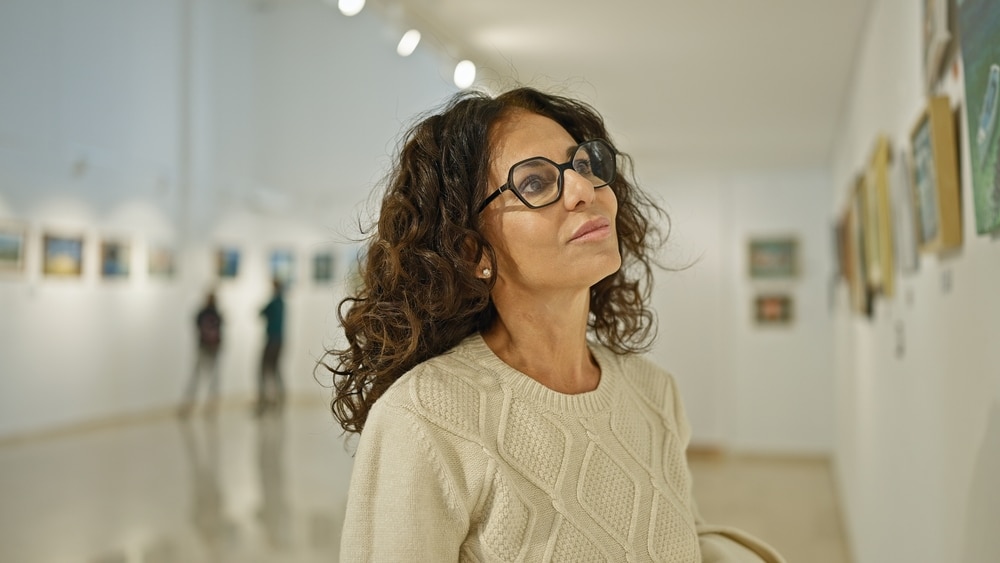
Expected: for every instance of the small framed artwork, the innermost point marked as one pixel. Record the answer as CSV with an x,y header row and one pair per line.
x,y
935,178
773,258
903,216
282,266
879,220
227,262
12,236
842,244
773,309
980,46
937,39
323,266
861,294
62,256
115,259
162,261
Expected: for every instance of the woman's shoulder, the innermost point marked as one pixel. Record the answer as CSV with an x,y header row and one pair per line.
x,y
447,390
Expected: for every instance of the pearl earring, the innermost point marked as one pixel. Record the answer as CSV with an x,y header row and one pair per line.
x,y
486,272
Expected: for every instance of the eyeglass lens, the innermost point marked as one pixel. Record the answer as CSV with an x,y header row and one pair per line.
x,y
538,180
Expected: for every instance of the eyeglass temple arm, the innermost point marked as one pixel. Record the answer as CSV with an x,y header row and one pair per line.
x,y
491,197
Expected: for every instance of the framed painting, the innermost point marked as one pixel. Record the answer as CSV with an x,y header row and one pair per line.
x,y
323,264
937,39
12,239
115,259
935,178
980,45
841,233
227,262
773,258
773,309
878,219
162,262
903,214
62,256
282,266
861,294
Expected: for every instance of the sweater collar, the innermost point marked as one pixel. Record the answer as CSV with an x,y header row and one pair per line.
x,y
525,387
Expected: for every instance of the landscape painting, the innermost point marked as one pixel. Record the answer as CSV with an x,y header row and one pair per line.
x,y
11,249
980,44
62,256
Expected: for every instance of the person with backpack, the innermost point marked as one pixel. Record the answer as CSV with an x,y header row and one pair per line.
x,y
209,326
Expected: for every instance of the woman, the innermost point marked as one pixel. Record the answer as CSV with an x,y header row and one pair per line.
x,y
491,428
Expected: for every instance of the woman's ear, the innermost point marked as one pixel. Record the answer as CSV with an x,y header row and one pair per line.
x,y
474,252
484,272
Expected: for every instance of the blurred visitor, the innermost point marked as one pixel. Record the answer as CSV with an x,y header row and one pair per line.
x,y
209,325
270,388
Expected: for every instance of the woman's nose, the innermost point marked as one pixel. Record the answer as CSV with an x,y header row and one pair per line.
x,y
577,190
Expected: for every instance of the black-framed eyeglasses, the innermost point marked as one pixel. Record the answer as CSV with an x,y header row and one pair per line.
x,y
538,181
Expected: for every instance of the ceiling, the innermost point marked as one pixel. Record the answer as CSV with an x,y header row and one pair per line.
x,y
717,83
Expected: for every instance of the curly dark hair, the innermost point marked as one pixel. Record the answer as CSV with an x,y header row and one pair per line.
x,y
418,294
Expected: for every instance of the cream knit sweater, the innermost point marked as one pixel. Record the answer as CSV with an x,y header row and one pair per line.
x,y
466,459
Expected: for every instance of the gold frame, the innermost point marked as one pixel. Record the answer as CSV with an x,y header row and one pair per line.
x,y
935,177
879,220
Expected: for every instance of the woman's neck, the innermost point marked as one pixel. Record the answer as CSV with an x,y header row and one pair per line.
x,y
546,340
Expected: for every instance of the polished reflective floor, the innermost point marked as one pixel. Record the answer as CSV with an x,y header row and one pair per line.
x,y
238,488
787,501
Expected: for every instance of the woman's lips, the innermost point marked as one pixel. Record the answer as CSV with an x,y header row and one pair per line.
x,y
595,229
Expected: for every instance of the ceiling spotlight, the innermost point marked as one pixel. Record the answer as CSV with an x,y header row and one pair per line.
x,y
408,43
465,74
350,7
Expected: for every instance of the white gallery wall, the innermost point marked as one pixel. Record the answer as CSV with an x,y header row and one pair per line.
x,y
918,384
244,123
182,123
746,386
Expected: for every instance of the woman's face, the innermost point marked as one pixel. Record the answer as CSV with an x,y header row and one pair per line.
x,y
571,244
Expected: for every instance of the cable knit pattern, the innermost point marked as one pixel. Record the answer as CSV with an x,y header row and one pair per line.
x,y
607,492
466,459
572,545
676,470
451,402
635,434
505,522
532,444
667,525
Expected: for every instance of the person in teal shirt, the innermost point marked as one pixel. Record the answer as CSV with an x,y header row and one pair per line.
x,y
270,388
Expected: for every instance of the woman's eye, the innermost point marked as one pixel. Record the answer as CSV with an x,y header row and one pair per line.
x,y
583,167
531,185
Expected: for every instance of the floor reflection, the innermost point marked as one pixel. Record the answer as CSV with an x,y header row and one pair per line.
x,y
208,511
274,513
225,488
237,488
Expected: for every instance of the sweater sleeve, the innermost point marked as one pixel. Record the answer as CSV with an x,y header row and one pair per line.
x,y
720,544
403,504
